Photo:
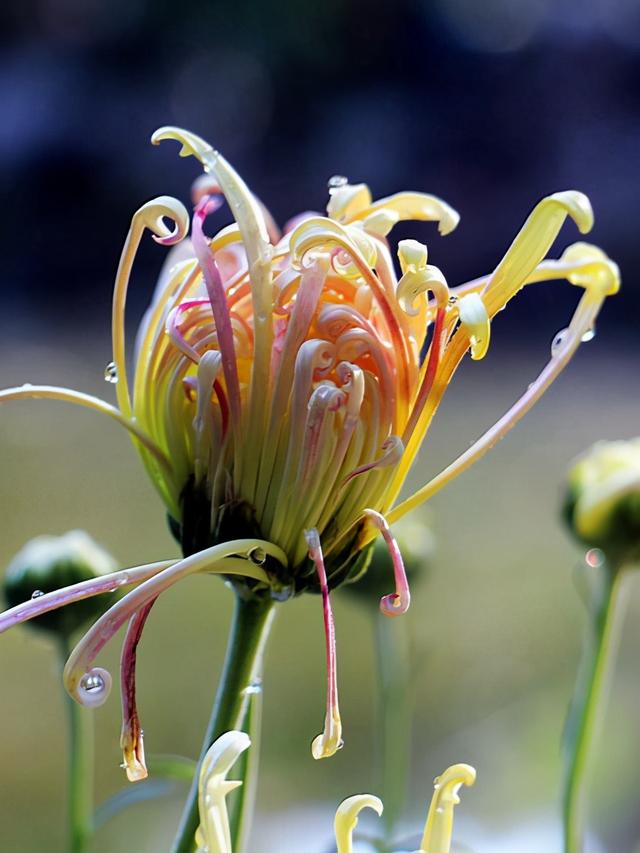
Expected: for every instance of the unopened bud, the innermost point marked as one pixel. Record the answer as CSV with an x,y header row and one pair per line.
x,y
48,563
602,505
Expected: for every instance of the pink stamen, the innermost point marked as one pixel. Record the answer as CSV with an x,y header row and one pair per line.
x,y
392,450
330,740
224,405
131,738
396,603
325,399
218,299
174,331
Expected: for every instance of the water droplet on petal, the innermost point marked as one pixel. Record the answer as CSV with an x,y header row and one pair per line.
x,y
258,556
94,687
337,181
594,558
37,593
453,300
111,373
589,335
558,341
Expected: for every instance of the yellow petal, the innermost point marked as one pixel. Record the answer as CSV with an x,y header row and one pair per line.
x,y
439,826
346,818
475,318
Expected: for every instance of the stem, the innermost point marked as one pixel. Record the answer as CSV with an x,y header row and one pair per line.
x,y
588,702
252,619
242,816
394,713
80,771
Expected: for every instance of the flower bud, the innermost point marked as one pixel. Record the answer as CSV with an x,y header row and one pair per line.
x,y
602,505
48,563
417,544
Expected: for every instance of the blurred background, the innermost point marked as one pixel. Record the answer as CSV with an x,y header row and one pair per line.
x,y
490,105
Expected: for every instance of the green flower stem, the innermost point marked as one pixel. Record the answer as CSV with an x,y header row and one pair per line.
x,y
589,699
394,713
249,631
80,772
244,806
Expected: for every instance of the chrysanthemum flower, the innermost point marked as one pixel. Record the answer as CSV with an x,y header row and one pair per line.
x,y
214,834
283,385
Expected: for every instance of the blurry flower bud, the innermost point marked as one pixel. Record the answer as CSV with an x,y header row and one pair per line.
x,y
602,506
417,544
48,563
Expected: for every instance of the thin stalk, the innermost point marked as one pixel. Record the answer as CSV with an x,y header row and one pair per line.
x,y
80,769
587,707
252,619
244,806
394,715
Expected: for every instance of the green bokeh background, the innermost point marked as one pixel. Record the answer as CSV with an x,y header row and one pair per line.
x,y
496,624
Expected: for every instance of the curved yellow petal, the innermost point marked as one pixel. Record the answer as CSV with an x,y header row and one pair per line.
x,y
475,318
213,835
439,826
346,818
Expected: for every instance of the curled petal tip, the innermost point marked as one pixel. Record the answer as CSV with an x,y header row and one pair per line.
x,y
152,215
592,268
396,603
328,742
192,145
134,764
577,206
456,775
439,826
475,319
346,819
214,831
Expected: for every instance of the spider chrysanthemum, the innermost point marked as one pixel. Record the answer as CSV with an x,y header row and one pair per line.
x,y
282,386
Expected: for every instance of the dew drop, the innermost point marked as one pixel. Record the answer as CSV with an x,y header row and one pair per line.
x,y
258,556
37,593
123,579
111,373
453,300
589,335
94,687
337,181
254,689
558,341
594,558
92,683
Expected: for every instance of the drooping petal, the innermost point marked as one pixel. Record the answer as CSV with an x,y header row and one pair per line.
x,y
396,603
131,736
346,818
330,741
220,559
85,589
